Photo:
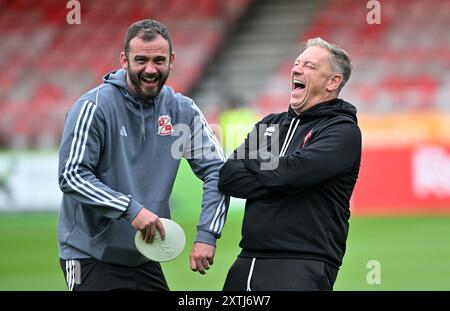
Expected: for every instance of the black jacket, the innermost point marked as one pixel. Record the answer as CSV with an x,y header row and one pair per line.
x,y
297,202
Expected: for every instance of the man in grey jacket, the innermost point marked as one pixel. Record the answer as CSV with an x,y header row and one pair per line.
x,y
117,166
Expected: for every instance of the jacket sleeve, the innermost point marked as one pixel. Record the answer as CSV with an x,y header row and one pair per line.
x,y
334,151
205,157
78,158
238,181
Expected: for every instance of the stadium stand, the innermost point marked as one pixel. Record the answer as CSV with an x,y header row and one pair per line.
x,y
266,36
398,67
242,48
46,64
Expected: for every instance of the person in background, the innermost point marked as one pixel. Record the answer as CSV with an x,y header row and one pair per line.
x,y
236,121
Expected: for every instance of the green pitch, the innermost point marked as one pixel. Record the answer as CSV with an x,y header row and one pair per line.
x,y
411,253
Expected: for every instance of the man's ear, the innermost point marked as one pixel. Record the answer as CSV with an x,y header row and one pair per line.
x,y
334,82
172,60
123,61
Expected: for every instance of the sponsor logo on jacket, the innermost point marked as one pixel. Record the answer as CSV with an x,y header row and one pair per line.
x,y
269,131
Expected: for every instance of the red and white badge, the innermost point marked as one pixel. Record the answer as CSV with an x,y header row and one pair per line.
x,y
307,137
164,125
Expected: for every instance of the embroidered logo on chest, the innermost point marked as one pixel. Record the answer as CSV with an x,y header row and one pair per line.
x,y
307,137
269,131
165,125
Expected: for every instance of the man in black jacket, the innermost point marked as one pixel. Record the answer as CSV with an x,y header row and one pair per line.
x,y
295,224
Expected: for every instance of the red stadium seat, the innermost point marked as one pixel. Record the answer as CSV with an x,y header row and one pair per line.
x,y
92,48
396,65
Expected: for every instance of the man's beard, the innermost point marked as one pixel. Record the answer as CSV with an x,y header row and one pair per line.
x,y
145,93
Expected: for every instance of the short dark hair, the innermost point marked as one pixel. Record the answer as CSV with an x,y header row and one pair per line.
x,y
146,30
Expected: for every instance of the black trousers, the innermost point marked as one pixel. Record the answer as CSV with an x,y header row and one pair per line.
x,y
268,274
93,275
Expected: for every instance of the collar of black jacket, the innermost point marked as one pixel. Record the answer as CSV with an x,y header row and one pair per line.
x,y
332,107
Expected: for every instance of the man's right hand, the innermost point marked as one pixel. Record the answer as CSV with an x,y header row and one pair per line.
x,y
148,222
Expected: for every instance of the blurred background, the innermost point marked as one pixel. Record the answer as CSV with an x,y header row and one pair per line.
x,y
234,58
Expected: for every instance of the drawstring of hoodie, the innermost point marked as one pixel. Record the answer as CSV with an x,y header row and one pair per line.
x,y
126,94
142,123
119,79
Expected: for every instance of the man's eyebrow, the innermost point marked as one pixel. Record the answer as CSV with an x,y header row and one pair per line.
x,y
310,62
297,61
158,57
140,56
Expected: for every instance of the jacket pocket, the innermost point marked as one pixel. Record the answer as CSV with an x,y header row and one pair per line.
x,y
104,233
329,275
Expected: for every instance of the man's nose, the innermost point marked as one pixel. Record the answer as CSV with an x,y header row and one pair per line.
x,y
297,69
150,68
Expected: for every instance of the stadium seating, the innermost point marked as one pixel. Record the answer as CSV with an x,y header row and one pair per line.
x,y
400,64
46,64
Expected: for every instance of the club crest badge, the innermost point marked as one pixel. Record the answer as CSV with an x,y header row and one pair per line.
x,y
307,137
164,125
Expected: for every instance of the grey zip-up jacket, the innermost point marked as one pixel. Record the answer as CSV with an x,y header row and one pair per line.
x,y
119,155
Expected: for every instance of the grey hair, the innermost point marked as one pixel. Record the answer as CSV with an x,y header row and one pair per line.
x,y
339,59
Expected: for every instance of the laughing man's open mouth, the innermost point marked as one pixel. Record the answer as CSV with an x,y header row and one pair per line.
x,y
297,84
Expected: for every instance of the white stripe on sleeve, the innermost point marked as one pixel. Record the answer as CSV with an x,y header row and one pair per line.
x,y
71,175
217,219
210,133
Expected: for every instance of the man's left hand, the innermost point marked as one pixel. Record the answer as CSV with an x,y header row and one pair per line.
x,y
201,257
